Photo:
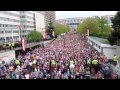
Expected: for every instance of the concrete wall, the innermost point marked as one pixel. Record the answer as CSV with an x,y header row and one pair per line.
x,y
118,51
7,56
109,52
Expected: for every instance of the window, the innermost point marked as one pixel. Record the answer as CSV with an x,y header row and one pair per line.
x,y
6,25
22,16
99,47
8,31
1,32
15,31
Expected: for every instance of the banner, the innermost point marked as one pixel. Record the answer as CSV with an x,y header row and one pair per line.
x,y
53,33
23,44
44,35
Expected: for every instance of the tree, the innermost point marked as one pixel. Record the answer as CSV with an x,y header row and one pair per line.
x,y
114,37
50,29
89,23
104,28
60,28
97,27
34,36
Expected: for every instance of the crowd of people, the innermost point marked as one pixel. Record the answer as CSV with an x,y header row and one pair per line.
x,y
69,57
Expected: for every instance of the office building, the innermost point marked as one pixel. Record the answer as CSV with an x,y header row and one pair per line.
x,y
27,22
9,22
39,22
16,24
49,16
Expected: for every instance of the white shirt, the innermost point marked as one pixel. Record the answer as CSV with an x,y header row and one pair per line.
x,y
27,76
17,76
30,63
18,67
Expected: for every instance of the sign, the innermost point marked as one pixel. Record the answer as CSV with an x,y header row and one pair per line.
x,y
23,43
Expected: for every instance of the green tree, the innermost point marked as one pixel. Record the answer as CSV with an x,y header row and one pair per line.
x,y
114,37
60,28
104,28
89,23
34,36
97,27
50,29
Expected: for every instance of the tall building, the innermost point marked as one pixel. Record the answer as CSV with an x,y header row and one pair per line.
x,y
71,22
39,22
16,24
27,22
49,15
9,22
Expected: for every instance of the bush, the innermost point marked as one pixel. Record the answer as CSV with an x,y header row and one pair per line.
x,y
34,36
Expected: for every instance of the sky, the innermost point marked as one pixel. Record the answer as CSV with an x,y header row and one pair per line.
x,y
71,14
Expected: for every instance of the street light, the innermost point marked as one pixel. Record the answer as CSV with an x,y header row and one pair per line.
x,y
19,26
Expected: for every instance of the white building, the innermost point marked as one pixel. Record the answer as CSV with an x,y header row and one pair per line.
x,y
71,22
9,22
27,22
14,24
39,22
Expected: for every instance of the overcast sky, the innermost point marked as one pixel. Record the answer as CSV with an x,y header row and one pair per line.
x,y
70,14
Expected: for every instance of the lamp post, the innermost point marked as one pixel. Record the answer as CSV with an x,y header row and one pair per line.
x,y
19,26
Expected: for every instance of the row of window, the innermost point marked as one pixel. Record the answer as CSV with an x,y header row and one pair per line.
x,y
23,16
7,32
9,38
95,44
24,26
70,21
24,21
1,32
9,13
7,25
12,26
8,19
14,20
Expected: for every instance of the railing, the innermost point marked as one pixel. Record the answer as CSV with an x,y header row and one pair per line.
x,y
29,45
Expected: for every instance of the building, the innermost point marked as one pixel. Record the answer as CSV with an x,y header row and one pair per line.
x,y
106,49
9,22
16,24
71,22
27,23
39,22
49,16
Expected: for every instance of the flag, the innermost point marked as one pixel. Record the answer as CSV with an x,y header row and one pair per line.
x,y
53,33
44,35
23,44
